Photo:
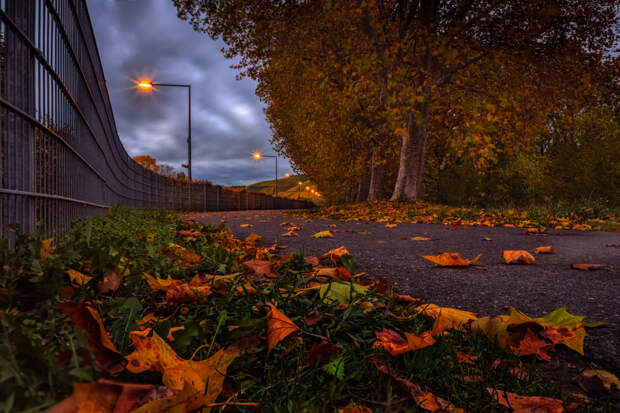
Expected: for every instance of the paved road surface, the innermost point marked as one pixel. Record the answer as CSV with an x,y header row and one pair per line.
x,y
534,289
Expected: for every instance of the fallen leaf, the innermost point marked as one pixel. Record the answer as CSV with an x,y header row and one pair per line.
x,y
294,229
46,248
339,273
446,318
419,239
450,259
279,327
87,318
110,282
425,400
465,358
544,250
531,344
287,224
253,238
320,353
290,234
391,225
352,408
323,234
335,255
260,267
588,267
105,396
487,239
246,225
517,257
341,292
160,284
78,278
607,379
526,404
395,344
185,293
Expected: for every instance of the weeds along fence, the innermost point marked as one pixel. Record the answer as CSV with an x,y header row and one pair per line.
x,y
60,154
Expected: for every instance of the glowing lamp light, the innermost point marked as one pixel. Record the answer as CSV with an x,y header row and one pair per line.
x,y
257,155
287,175
145,85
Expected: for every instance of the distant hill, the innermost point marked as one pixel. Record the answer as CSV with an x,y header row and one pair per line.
x,y
288,188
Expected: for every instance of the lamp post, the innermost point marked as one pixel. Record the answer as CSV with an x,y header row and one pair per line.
x,y
299,192
257,156
147,86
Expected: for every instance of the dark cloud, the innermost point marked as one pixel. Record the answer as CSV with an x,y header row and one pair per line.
x,y
144,38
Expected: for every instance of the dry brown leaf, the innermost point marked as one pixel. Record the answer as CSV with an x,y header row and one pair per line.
x,y
420,239
588,267
78,278
451,259
527,404
290,234
279,327
335,255
548,249
246,225
517,257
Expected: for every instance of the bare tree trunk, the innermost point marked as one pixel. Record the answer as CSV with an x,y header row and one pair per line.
x,y
377,174
411,166
363,187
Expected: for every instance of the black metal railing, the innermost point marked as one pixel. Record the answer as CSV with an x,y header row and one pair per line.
x,y
60,154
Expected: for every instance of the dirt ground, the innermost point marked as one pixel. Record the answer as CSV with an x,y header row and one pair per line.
x,y
534,289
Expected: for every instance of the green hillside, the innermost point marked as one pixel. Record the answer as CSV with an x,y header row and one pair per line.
x,y
288,188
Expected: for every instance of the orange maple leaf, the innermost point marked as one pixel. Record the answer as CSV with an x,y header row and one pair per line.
x,y
395,344
279,327
517,257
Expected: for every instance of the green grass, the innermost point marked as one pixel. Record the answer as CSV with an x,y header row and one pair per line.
x,y
42,352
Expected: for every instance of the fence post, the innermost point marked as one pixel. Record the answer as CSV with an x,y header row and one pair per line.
x,y
217,198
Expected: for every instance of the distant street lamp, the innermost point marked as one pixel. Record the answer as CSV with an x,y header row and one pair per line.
x,y
287,175
257,156
146,85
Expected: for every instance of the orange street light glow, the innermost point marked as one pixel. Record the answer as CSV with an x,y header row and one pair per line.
x,y
145,85
257,155
307,188
287,174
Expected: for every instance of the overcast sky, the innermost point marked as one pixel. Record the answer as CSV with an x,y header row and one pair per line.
x,y
145,39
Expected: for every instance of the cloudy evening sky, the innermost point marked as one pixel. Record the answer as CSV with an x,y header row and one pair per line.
x,y
144,38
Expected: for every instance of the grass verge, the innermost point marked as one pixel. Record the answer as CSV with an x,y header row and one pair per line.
x,y
129,268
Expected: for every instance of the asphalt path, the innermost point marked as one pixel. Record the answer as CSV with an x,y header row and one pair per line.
x,y
534,289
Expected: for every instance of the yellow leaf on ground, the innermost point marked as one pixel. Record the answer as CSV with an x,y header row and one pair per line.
x,y
323,234
290,234
391,225
517,257
445,317
279,327
253,238
544,250
78,278
161,284
607,378
246,225
420,239
450,259
46,248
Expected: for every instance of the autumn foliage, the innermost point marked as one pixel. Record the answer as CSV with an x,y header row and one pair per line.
x,y
459,101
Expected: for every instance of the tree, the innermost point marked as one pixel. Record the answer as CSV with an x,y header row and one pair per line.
x,y
479,77
147,162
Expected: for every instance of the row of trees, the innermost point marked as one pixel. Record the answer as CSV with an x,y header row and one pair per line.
x,y
151,164
384,98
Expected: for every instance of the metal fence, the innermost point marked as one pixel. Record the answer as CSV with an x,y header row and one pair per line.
x,y
60,154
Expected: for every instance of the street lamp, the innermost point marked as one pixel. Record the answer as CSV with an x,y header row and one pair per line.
x,y
299,192
146,85
257,156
